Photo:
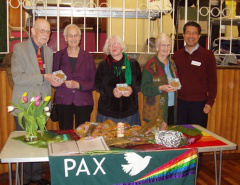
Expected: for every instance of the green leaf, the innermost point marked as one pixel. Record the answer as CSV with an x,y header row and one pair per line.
x,y
31,123
39,109
43,106
29,109
20,117
34,110
41,121
25,106
17,106
21,104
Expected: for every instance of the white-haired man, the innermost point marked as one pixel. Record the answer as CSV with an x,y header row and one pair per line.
x,y
31,70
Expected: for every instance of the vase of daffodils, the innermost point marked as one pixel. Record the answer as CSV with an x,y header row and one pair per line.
x,y
32,115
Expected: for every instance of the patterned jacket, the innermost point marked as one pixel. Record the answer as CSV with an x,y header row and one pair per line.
x,y
155,102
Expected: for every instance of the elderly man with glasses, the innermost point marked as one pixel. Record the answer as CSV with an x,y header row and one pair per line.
x,y
31,70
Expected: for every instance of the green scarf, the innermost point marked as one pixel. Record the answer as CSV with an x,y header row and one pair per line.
x,y
128,72
127,67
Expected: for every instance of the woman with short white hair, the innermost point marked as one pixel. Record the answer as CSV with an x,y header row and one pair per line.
x,y
74,96
159,95
118,68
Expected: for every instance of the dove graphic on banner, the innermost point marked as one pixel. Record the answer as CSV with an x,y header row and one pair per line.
x,y
136,163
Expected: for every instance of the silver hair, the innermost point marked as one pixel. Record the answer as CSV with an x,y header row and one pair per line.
x,y
118,40
71,26
162,36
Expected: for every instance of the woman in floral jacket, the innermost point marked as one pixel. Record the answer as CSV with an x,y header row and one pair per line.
x,y
159,96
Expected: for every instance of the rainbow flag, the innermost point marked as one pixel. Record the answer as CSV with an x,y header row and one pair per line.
x,y
177,168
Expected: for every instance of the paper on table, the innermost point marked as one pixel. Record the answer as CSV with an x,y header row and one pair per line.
x,y
77,147
64,148
92,145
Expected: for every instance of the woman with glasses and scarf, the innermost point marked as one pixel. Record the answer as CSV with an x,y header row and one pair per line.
x,y
159,95
118,68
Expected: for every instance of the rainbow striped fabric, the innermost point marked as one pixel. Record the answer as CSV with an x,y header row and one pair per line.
x,y
177,168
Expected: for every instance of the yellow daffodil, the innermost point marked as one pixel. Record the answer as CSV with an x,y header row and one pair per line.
x,y
47,98
32,113
24,98
24,94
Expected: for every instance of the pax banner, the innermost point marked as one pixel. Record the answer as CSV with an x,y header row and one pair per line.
x,y
128,168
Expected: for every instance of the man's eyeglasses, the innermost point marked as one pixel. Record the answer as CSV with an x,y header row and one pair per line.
x,y
43,31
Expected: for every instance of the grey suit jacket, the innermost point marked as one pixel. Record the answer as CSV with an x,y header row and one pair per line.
x,y
26,73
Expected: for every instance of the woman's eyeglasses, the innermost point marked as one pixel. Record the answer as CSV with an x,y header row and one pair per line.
x,y
165,45
115,44
73,36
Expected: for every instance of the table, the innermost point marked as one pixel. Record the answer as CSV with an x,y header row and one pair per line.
x,y
215,149
18,152
15,151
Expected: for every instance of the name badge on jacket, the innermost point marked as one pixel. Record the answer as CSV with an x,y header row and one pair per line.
x,y
195,63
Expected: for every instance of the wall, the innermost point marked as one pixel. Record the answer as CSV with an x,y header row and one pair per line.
x,y
13,20
142,31
231,5
224,118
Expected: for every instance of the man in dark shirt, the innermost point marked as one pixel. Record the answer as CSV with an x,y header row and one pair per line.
x,y
197,73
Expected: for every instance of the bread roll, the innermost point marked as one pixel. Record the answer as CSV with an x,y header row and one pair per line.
x,y
60,75
174,84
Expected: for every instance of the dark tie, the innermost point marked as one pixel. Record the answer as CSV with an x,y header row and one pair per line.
x,y
40,62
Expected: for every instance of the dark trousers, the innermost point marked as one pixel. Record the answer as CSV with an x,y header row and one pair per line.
x,y
191,113
31,171
66,115
171,115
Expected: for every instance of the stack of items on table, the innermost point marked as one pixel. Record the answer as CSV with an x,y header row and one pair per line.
x,y
133,135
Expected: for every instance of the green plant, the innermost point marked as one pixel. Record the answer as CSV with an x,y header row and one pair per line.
x,y
34,113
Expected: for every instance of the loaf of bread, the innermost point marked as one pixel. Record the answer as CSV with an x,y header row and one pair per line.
x,y
174,84
60,75
122,88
